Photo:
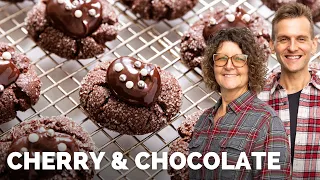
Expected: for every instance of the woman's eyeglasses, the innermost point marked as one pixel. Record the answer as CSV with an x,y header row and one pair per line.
x,y
238,60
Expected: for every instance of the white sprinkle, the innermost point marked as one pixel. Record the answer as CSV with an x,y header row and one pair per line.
x,y
118,67
141,84
50,132
60,1
23,149
137,64
1,88
88,1
6,55
68,6
92,12
122,77
212,21
33,137
230,17
144,72
75,3
42,129
151,72
246,17
62,147
129,84
78,13
96,5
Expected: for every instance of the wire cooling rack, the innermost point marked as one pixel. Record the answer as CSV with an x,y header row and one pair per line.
x,y
156,42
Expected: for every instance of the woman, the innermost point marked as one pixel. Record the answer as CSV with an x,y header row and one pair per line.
x,y
239,121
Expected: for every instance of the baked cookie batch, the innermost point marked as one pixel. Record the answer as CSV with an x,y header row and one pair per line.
x,y
125,95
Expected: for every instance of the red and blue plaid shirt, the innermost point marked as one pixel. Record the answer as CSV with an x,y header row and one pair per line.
x,y
306,163
249,125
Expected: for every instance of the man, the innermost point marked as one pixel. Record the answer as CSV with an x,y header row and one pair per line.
x,y
295,91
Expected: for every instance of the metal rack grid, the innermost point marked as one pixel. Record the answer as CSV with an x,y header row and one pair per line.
x,y
156,42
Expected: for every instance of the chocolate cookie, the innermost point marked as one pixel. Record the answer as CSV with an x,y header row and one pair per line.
x,y
55,134
314,5
160,9
193,42
72,29
181,145
130,96
19,83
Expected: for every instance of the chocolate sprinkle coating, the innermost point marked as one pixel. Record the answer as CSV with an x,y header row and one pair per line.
x,y
62,125
43,32
115,114
160,9
24,92
181,145
193,43
314,5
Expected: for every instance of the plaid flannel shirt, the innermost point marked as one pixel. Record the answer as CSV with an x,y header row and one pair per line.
x,y
306,162
249,125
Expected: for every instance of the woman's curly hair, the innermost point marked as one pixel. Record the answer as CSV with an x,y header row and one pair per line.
x,y
247,43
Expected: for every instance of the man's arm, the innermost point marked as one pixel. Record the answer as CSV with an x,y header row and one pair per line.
x,y
275,140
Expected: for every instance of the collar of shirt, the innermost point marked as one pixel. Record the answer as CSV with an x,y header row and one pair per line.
x,y
273,81
236,105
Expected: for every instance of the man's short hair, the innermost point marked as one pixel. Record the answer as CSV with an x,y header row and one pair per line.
x,y
292,10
